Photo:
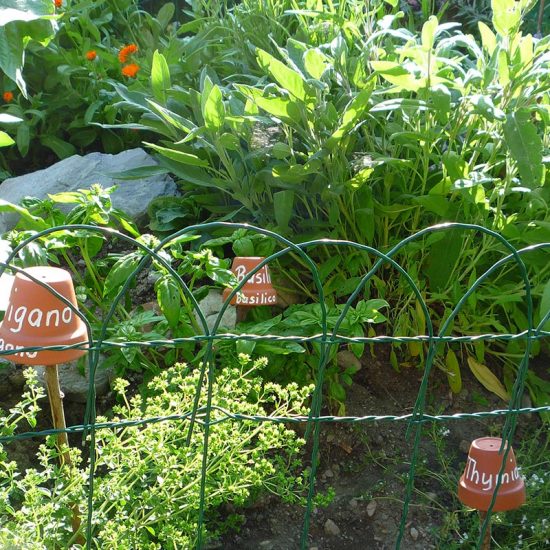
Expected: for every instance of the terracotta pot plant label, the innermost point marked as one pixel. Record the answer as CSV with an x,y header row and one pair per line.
x,y
36,317
479,480
258,289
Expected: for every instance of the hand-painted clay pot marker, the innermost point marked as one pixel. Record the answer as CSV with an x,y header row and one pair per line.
x,y
35,317
257,291
477,484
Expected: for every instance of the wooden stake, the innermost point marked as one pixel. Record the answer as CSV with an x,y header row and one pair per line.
x,y
486,543
55,396
58,414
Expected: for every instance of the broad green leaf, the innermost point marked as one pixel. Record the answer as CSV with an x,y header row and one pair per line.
x,y
453,372
61,148
286,78
456,166
428,32
488,379
178,156
525,146
214,110
20,22
168,297
5,140
282,108
6,118
353,113
488,38
165,14
160,77
506,15
434,203
24,10
395,73
243,247
283,203
316,63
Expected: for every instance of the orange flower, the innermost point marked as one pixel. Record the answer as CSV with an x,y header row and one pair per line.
x,y
91,55
8,96
58,3
125,52
130,70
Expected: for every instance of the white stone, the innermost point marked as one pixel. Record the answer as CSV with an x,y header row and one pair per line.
x,y
331,528
211,306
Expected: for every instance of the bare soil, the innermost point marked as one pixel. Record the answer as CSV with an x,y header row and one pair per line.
x,y
367,466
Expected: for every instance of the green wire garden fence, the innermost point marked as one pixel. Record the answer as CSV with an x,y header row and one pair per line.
x,y
325,339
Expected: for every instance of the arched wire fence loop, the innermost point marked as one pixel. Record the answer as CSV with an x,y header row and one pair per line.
x,y
201,415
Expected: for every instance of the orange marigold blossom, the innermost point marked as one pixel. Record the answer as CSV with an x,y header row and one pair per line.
x,y
8,96
130,70
58,3
91,55
126,51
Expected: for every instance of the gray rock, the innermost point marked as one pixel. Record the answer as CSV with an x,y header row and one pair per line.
x,y
75,386
7,370
414,533
77,172
211,306
331,528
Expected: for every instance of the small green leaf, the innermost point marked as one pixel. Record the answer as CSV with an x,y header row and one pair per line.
x,y
488,379
488,38
214,110
120,272
428,32
453,372
168,297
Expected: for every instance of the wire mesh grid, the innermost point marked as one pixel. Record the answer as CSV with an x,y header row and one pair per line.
x,y
325,339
